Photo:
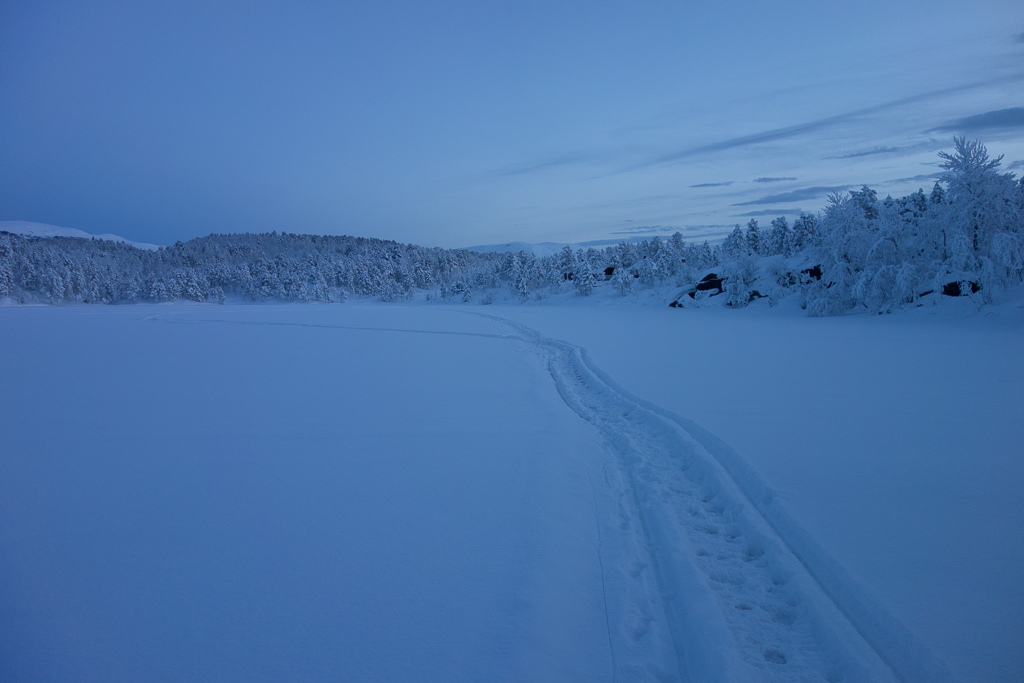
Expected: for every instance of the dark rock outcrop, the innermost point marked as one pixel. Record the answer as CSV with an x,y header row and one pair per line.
x,y
709,282
960,288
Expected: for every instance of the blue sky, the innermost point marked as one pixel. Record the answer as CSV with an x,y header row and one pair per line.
x,y
459,123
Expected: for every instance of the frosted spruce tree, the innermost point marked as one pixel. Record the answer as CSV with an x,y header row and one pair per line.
x,y
567,262
583,276
622,280
779,238
753,237
735,244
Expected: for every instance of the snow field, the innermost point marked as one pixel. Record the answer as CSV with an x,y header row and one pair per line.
x,y
711,549
291,493
889,449
403,493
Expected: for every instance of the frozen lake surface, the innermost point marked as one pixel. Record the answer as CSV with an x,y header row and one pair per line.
x,y
409,493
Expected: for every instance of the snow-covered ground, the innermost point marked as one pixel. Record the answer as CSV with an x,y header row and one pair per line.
x,y
289,493
407,492
894,441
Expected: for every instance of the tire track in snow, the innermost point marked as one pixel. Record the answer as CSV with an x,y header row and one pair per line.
x,y
748,595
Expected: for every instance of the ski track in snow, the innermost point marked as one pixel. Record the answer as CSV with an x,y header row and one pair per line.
x,y
775,607
715,581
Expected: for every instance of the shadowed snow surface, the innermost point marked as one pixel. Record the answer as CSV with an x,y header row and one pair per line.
x,y
266,501
409,493
894,442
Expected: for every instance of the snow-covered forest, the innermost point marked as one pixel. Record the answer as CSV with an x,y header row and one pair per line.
x,y
861,253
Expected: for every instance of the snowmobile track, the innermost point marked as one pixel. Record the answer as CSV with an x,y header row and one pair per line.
x,y
747,594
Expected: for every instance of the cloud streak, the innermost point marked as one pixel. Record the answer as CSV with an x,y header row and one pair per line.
x,y
999,119
913,179
928,145
871,152
616,155
567,159
725,184
795,195
770,212
813,126
765,179
646,230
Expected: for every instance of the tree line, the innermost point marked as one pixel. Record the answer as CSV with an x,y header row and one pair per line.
x,y
859,254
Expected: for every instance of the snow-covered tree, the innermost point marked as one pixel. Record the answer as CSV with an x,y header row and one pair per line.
x,y
982,217
753,237
739,277
675,250
803,234
567,262
583,277
735,244
622,280
778,238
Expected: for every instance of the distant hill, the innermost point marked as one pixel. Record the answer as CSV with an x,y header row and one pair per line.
x,y
542,249
30,229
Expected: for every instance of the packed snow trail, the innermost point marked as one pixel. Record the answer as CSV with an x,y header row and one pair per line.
x,y
746,593
709,570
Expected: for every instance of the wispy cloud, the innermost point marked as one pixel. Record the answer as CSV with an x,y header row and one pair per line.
x,y
765,179
927,145
813,126
795,195
618,155
1001,118
1019,38
729,182
566,159
1015,165
646,230
870,152
707,231
769,212
747,140
913,179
